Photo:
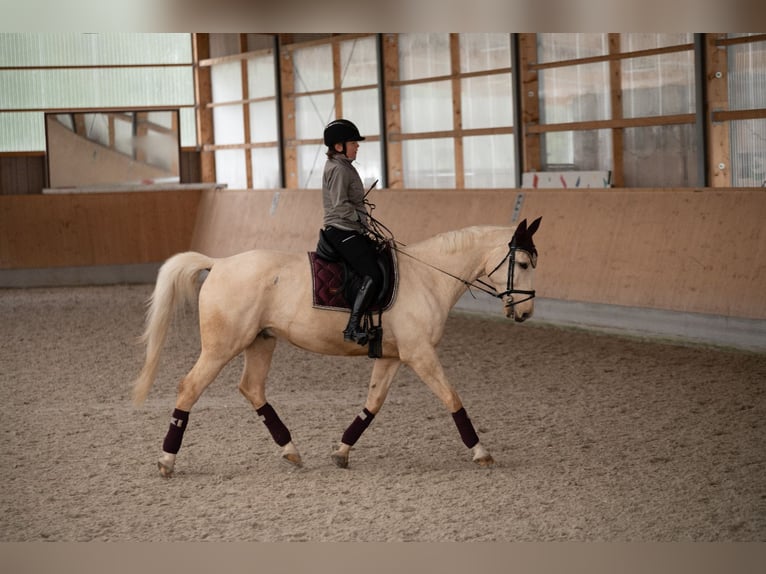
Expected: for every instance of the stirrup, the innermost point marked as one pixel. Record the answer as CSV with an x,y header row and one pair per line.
x,y
355,334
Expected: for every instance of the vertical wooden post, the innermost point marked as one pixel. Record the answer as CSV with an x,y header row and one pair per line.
x,y
457,110
393,125
203,97
719,144
615,82
287,82
337,73
246,112
529,103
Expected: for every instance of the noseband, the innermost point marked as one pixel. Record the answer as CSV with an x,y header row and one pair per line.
x,y
509,290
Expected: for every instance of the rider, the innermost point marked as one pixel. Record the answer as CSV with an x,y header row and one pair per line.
x,y
345,216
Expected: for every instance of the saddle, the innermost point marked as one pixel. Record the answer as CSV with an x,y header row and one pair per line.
x,y
335,284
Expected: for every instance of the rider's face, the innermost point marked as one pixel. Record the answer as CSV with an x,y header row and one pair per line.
x,y
351,149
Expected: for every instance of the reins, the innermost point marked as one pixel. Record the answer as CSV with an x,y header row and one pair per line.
x,y
382,233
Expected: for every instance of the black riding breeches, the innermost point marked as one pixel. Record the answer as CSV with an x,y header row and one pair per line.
x,y
359,252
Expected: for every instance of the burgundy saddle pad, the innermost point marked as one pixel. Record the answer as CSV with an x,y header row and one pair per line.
x,y
327,279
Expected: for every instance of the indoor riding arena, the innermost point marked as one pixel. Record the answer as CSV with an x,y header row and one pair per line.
x,y
630,407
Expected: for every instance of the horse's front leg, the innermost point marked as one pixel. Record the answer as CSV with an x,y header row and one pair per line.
x,y
426,364
383,372
253,386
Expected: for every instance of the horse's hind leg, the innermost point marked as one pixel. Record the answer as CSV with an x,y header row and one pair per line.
x,y
383,372
191,387
253,386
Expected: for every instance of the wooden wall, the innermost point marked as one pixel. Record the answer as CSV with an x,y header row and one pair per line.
x,y
22,173
697,251
700,251
87,229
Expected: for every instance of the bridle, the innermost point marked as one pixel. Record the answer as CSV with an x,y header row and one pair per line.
x,y
485,287
509,289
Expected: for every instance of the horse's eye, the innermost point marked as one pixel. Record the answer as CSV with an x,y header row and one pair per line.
x,y
524,265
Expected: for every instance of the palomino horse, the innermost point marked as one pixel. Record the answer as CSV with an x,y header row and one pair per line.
x,y
250,300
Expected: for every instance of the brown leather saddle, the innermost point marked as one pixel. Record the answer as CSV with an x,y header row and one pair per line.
x,y
335,284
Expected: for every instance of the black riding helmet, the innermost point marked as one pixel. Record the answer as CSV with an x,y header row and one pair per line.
x,y
341,131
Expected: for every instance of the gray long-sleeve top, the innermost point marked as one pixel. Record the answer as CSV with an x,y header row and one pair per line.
x,y
343,195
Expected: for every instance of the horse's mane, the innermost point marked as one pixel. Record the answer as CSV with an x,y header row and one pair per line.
x,y
457,240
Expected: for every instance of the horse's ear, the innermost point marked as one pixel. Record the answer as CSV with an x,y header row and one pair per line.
x,y
533,227
521,229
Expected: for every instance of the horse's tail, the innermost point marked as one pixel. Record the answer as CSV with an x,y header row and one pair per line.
x,y
176,286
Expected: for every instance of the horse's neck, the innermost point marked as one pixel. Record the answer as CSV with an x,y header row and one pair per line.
x,y
462,253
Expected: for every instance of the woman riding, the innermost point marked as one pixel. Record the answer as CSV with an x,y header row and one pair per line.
x,y
345,218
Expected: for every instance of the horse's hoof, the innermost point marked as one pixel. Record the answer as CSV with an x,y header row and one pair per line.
x,y
293,459
165,471
485,461
340,459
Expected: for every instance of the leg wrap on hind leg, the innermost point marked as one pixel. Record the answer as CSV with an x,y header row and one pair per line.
x,y
277,428
178,422
355,430
465,427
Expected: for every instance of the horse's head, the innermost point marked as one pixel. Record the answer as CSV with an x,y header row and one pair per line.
x,y
512,277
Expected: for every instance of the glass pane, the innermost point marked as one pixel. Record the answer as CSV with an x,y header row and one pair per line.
x,y
424,56
312,114
226,81
489,161
487,101
96,88
429,163
263,122
658,85
359,62
368,163
578,151
362,108
188,127
480,52
660,156
748,153
575,94
88,49
312,68
426,107
265,163
261,79
230,168
557,47
228,125
633,42
747,76
311,160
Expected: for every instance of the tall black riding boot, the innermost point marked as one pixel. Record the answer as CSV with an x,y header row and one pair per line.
x,y
364,298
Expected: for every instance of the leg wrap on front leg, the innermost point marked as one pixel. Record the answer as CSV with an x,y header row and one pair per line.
x,y
465,427
355,430
277,428
178,422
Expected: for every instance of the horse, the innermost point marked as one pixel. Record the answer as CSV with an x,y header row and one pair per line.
x,y
249,301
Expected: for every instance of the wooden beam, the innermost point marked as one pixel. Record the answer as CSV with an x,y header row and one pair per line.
x,y
457,110
246,111
719,145
203,95
337,80
393,117
530,104
287,81
615,92
615,123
